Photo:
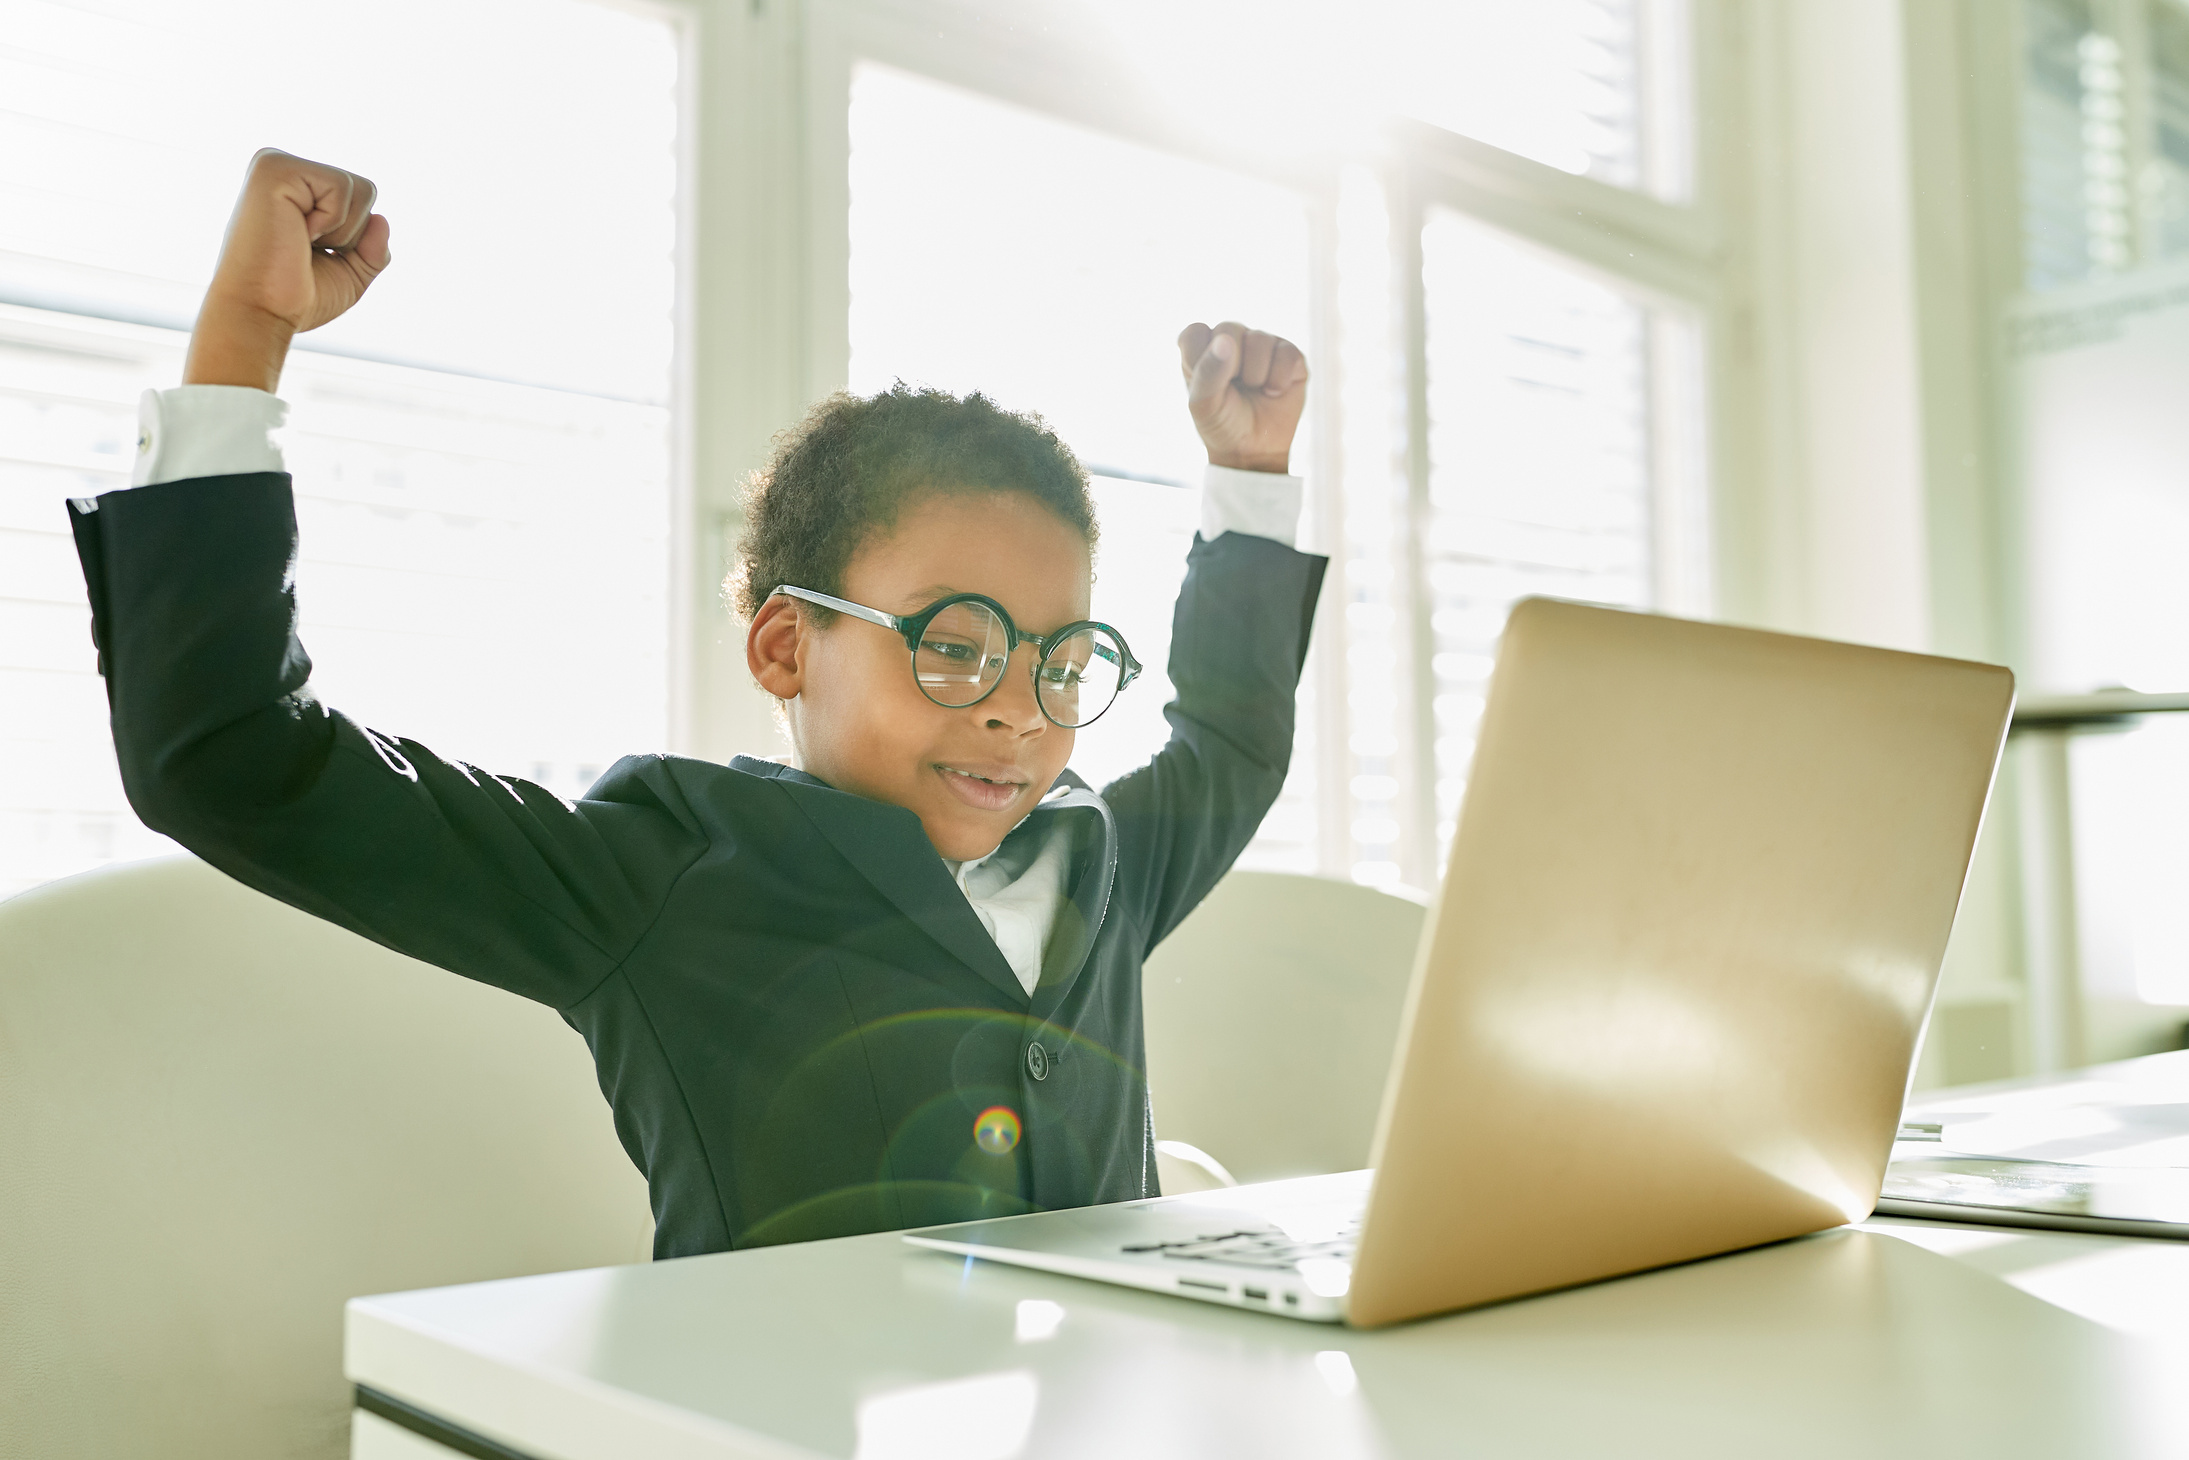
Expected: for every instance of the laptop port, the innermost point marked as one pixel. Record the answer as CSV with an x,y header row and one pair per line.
x,y
1260,1295
1292,1300
1208,1287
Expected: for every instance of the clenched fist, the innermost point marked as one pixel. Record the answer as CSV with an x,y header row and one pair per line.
x,y
302,246
1246,389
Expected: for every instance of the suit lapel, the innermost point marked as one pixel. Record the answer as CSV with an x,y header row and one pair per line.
x,y
887,846
1078,922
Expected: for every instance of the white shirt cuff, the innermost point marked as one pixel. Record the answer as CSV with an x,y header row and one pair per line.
x,y
1258,503
207,431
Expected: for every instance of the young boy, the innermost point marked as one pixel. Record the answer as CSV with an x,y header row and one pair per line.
x,y
897,984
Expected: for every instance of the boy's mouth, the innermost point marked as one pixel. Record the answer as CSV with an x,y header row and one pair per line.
x,y
990,792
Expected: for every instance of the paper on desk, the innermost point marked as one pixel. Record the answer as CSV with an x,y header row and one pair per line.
x,y
2109,1160
1920,1173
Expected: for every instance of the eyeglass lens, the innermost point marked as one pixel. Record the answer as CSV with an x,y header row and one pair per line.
x,y
1080,676
964,651
961,655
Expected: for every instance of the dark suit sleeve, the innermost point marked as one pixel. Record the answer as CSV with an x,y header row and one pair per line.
x,y
1238,640
224,748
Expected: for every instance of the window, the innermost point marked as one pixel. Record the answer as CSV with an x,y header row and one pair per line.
x,y
1592,87
483,450
1560,83
1547,395
1538,462
2105,137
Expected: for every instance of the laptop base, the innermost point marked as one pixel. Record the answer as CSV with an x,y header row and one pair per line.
x,y
1280,1247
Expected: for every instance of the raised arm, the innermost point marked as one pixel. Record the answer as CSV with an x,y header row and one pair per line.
x,y
1239,633
221,742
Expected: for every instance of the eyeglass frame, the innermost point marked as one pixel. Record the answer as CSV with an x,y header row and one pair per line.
x,y
911,627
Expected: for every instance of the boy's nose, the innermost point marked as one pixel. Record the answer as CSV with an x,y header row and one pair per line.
x,y
1013,706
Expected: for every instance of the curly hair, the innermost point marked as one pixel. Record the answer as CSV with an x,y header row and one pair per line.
x,y
849,468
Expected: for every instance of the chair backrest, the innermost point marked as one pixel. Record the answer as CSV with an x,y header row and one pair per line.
x,y
219,1118
1272,1013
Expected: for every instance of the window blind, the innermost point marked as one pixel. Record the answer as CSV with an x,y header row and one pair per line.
x,y
482,449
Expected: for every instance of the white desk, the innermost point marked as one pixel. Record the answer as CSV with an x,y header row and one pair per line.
x,y
1896,1338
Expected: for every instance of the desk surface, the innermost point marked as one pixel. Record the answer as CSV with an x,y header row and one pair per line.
x,y
1895,1337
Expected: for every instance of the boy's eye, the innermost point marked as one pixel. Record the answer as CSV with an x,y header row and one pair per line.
x,y
950,650
1064,674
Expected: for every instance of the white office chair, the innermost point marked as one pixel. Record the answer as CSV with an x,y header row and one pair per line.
x,y
219,1118
1271,1015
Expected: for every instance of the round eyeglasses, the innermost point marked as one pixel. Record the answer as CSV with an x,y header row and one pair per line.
x,y
961,644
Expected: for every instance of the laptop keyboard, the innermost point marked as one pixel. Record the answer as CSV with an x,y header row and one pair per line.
x,y
1258,1247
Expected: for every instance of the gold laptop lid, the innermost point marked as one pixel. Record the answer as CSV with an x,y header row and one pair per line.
x,y
1670,992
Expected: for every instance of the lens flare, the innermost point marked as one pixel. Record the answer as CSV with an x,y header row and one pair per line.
x,y
995,1130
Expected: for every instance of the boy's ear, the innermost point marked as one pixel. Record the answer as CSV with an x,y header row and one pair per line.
x,y
771,648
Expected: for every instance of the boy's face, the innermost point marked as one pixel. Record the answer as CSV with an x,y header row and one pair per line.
x,y
858,718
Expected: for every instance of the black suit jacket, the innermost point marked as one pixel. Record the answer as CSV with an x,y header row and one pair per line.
x,y
796,1016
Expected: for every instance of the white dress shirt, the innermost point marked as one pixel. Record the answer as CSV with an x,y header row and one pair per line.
x,y
229,430
1016,895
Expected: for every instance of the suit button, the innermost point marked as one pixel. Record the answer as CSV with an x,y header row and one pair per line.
x,y
1037,1061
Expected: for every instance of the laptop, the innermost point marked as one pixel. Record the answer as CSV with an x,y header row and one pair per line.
x,y
1667,1000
